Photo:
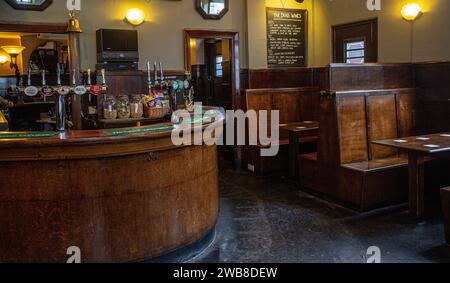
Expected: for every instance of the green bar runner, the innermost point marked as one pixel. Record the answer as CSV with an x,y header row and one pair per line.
x,y
139,131
27,135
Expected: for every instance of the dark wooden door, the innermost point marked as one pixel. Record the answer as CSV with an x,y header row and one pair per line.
x,y
356,42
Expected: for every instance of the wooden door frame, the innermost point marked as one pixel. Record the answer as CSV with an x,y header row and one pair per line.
x,y
74,58
213,34
235,71
6,26
333,35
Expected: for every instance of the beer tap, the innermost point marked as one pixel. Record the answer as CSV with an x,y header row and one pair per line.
x,y
149,78
104,86
89,84
162,73
62,89
30,90
46,90
79,90
155,69
61,102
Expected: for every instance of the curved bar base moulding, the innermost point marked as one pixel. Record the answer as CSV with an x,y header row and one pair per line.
x,y
125,206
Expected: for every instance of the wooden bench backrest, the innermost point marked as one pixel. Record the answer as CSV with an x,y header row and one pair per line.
x,y
294,104
362,117
381,124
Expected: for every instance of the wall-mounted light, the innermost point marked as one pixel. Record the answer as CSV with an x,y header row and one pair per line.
x,y
411,11
135,16
14,52
3,59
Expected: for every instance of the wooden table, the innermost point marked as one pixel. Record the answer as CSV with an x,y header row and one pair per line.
x,y
299,132
418,147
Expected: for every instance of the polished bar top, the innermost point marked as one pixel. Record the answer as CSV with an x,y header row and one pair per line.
x,y
428,144
161,130
3,122
78,137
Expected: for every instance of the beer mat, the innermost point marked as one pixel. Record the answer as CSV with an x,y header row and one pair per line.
x,y
27,135
139,131
432,146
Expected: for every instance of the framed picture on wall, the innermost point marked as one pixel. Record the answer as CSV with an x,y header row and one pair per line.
x,y
287,38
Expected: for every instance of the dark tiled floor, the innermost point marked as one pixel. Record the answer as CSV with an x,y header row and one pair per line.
x,y
266,219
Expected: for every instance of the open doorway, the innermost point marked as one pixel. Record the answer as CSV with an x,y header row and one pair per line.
x,y
212,57
211,71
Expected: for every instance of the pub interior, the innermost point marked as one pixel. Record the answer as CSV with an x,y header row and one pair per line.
x,y
92,92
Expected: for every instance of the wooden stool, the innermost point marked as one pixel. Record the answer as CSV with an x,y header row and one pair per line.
x,y
445,198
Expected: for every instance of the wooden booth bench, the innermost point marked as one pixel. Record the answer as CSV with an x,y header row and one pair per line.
x,y
347,166
294,104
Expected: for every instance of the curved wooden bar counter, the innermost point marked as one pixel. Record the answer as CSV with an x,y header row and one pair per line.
x,y
118,198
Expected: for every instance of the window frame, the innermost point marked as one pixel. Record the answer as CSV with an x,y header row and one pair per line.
x,y
216,66
355,40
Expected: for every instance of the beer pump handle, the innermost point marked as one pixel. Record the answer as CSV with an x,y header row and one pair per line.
x,y
89,77
155,69
58,73
162,72
74,77
29,74
44,82
149,74
103,77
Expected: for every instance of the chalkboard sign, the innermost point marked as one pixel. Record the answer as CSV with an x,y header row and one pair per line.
x,y
287,33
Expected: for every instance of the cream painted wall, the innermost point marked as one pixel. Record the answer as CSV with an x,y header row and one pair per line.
x,y
160,38
431,32
318,30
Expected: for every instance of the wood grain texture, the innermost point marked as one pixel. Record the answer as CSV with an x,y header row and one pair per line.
x,y
294,105
370,76
381,123
352,129
119,208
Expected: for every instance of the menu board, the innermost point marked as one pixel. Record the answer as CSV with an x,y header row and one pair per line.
x,y
287,31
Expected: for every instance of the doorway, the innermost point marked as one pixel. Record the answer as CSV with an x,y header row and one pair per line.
x,y
212,57
356,43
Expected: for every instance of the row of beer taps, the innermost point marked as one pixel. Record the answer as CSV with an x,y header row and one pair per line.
x,y
61,91
74,88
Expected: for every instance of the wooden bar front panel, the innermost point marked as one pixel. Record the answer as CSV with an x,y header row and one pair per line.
x,y
121,208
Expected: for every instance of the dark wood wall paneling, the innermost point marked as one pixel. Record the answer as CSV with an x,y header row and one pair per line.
x,y
283,78
433,84
370,76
